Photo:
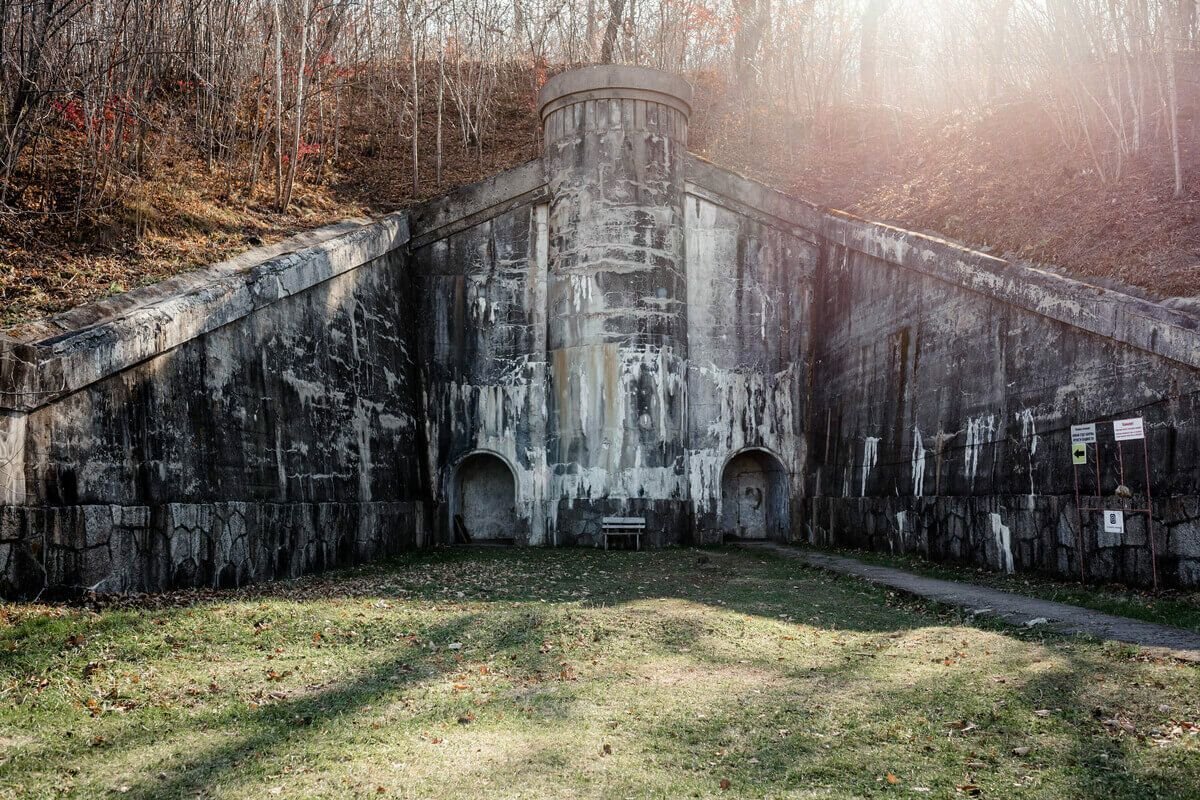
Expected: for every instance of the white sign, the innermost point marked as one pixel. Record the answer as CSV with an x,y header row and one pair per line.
x,y
1125,429
1114,521
1083,434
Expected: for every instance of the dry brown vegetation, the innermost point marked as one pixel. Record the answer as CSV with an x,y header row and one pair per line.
x,y
1000,179
139,140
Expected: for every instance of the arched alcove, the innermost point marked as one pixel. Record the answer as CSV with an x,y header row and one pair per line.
x,y
754,496
485,500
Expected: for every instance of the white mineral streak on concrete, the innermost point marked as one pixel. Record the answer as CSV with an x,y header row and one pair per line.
x,y
762,320
431,436
869,459
848,468
362,431
12,459
352,315
901,521
539,474
918,464
309,392
583,394
704,479
979,433
746,409
1029,434
1003,543
1028,429
280,464
497,409
580,287
605,419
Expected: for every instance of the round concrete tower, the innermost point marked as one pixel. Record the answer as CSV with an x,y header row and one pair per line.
x,y
615,153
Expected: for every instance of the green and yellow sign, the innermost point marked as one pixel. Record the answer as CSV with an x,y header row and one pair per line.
x,y
1079,454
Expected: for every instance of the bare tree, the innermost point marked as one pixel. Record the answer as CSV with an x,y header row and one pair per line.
x,y
616,9
868,54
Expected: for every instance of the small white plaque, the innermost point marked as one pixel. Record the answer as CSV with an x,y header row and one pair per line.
x,y
1126,429
1083,434
1114,521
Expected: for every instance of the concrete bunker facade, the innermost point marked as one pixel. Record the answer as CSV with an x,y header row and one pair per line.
x,y
593,336
615,328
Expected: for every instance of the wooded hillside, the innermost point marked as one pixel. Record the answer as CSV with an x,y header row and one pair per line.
x,y
142,137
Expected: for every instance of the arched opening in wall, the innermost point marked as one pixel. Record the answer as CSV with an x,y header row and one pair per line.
x,y
485,510
754,497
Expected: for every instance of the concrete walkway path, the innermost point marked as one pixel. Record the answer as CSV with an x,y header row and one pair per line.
x,y
1012,608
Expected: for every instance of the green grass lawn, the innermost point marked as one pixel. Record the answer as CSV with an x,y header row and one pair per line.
x,y
578,673
1178,607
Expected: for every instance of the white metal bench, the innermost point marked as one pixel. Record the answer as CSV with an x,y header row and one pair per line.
x,y
624,526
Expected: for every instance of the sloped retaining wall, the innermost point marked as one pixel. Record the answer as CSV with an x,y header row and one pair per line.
x,y
946,387
255,420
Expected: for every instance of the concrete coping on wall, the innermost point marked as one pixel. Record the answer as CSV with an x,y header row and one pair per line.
x,y
1142,324
475,203
42,362
613,81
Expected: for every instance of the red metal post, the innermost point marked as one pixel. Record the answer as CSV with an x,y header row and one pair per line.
x,y
1121,463
1150,512
1079,521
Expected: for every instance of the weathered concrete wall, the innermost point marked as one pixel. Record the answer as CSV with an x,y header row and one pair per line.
x,y
946,386
615,159
270,431
480,286
617,328
749,297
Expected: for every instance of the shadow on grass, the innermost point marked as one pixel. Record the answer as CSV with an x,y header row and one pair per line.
x,y
279,726
939,735
758,585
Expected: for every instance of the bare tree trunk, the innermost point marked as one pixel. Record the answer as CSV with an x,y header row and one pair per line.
x,y
441,101
589,35
259,137
868,53
753,19
616,10
299,116
1173,97
1000,14
278,103
416,118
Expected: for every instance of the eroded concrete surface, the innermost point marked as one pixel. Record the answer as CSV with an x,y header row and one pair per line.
x,y
616,328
